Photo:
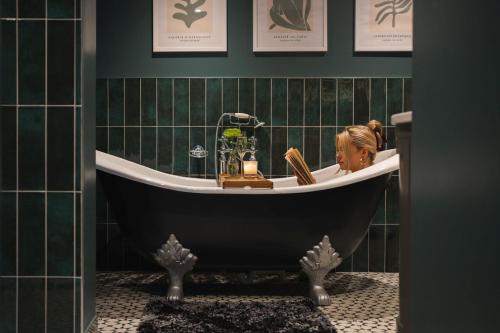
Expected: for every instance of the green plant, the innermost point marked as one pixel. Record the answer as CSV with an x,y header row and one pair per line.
x,y
232,133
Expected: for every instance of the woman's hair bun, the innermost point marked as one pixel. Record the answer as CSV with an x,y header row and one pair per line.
x,y
376,128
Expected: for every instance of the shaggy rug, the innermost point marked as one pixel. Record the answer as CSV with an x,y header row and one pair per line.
x,y
297,316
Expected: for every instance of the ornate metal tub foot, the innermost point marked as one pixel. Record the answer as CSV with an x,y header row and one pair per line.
x,y
316,264
178,261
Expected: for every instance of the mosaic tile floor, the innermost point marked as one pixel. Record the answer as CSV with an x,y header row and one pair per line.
x,y
361,302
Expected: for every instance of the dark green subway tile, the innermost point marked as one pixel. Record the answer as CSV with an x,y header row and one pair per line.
x,y
132,102
116,102
8,234
214,101
181,151
31,234
60,304
101,203
279,99
246,96
377,248
360,257
312,147
295,139
31,148
295,102
31,305
408,91
197,165
8,133
392,249
361,101
78,11
345,96
60,149
101,247
390,135
117,141
328,102
8,8
78,147
148,102
230,95
394,97
78,233
78,298
379,217
165,149
60,62
263,100
328,135
210,147
8,305
345,266
101,102
115,248
31,64
197,102
279,147
31,8
263,154
378,100
393,201
148,147
101,142
60,227
8,59
312,102
181,102
78,63
165,105
133,144
61,8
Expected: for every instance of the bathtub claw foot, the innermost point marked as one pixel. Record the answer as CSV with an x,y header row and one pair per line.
x,y
177,261
316,264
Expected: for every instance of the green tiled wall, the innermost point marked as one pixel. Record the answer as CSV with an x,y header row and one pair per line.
x,y
156,122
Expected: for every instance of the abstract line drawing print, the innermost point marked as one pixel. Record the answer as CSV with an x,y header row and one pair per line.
x,y
290,14
391,7
192,12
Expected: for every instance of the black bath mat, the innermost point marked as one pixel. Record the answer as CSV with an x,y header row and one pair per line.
x,y
297,316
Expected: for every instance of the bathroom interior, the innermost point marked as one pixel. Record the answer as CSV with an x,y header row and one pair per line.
x,y
110,156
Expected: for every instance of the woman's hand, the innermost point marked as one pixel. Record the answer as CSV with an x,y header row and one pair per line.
x,y
299,180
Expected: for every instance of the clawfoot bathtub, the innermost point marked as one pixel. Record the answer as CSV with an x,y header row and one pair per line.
x,y
245,229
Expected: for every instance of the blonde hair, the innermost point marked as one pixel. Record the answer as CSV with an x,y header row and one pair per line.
x,y
369,137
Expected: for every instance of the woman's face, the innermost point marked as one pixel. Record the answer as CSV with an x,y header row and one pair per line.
x,y
357,160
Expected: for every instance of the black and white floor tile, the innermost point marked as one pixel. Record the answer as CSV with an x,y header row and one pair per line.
x,y
361,302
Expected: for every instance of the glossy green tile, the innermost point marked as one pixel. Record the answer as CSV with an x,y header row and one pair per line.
x,y
246,94
392,249
115,248
360,257
278,148
394,97
78,9
328,102
408,90
263,154
8,59
8,234
165,102
312,102
116,90
346,265
295,102
8,8
78,63
31,8
148,102
197,165
117,141
60,233
101,118
8,305
78,147
132,102
8,140
393,201
279,99
60,62
165,149
31,148
345,103
230,95
60,149
379,217
361,101
263,100
60,305
101,202
31,234
101,141
378,100
181,102
78,319
197,102
296,140
390,134
210,147
214,101
61,8
133,144
312,147
181,151
78,233
377,248
148,147
327,146
31,64
31,305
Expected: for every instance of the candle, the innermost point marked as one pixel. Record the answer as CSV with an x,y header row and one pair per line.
x,y
250,168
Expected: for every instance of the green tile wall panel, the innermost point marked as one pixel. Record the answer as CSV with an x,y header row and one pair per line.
x,y
165,149
31,8
31,234
60,62
197,165
165,99
133,144
181,102
78,63
214,101
210,140
312,102
361,101
8,305
181,148
230,95
78,232
116,141
328,102
312,147
278,148
8,8
376,236
116,102
360,256
295,102
394,97
197,102
379,217
8,133
148,147
378,100
279,102
148,102
101,102
328,146
8,62
60,8
392,249
8,234
246,93
31,148
31,305
78,147
60,148
60,304
133,102
263,100
345,106
60,233
393,201
101,139
31,62
296,140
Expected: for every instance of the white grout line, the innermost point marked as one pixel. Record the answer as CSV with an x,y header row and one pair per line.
x,y
205,134
385,192
156,109
173,126
46,181
17,169
189,124
271,127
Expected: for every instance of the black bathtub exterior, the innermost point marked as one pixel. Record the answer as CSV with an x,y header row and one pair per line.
x,y
240,231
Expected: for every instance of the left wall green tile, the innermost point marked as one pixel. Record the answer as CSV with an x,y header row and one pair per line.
x,y
8,64
31,149
8,234
8,133
8,305
60,234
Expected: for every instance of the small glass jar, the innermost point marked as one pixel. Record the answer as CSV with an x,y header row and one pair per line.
x,y
233,166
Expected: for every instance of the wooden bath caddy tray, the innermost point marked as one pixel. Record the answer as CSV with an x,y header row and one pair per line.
x,y
240,182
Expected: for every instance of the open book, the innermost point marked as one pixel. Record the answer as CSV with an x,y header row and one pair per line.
x,y
296,161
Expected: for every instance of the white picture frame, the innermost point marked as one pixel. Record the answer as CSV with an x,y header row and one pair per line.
x,y
189,26
383,26
290,29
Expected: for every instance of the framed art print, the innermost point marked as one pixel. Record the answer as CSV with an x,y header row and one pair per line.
x,y
189,26
290,26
